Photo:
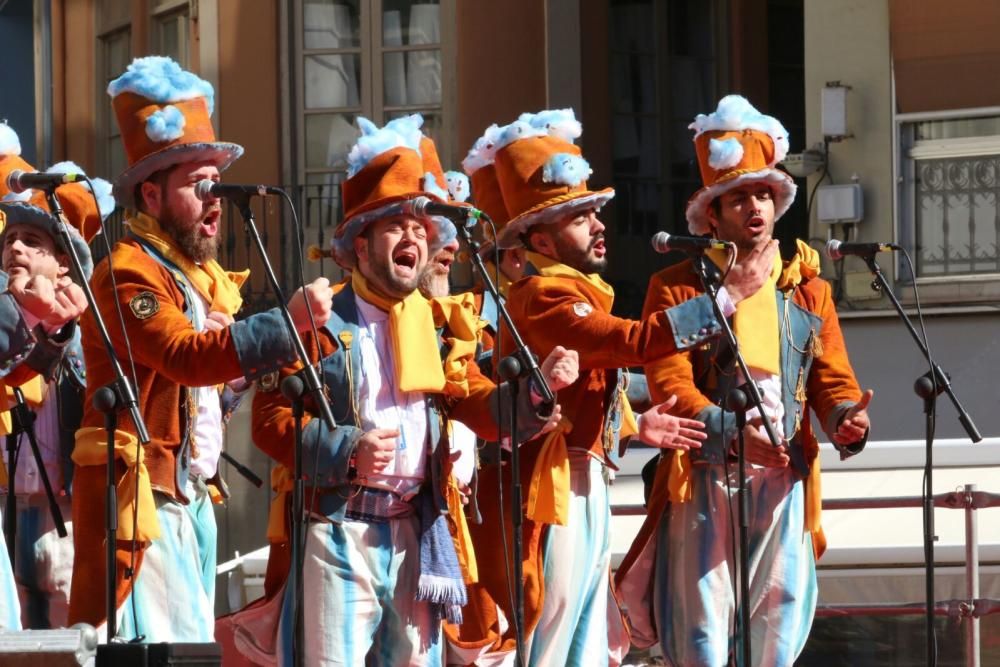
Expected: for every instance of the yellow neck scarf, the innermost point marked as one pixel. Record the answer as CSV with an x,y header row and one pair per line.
x,y
413,322
756,321
550,268
220,288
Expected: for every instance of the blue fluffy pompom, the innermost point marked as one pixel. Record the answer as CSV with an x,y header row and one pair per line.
x,y
165,124
566,169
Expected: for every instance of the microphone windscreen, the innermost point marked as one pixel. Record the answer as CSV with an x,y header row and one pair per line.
x,y
661,242
833,249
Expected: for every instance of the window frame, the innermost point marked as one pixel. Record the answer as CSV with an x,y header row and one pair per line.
x,y
106,122
940,287
160,11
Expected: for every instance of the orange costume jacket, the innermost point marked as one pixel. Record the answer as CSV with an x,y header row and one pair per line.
x,y
816,375
155,299
574,313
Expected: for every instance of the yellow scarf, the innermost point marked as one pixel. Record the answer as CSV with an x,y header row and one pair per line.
x,y
413,322
548,491
34,391
92,450
805,264
756,320
220,288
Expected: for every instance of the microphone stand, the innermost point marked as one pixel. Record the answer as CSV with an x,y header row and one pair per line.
x,y
23,421
736,402
122,395
928,387
709,280
309,376
293,388
521,362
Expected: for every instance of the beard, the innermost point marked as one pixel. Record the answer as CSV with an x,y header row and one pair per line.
x,y
198,248
581,259
434,281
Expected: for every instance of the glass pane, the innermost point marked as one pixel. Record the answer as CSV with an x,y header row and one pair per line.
x,y
117,53
958,128
331,24
412,78
328,139
405,22
431,126
332,80
321,214
116,157
172,36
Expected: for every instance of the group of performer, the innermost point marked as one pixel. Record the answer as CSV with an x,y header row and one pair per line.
x,y
408,540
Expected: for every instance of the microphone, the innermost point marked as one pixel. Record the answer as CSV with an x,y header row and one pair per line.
x,y
19,180
664,243
206,190
425,207
838,249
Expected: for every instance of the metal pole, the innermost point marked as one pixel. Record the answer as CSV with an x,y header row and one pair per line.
x,y
971,577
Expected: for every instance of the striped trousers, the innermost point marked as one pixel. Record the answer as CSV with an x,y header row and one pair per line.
x,y
694,603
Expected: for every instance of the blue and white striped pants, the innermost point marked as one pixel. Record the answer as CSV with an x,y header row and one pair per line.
x,y
694,574
359,606
580,623
173,594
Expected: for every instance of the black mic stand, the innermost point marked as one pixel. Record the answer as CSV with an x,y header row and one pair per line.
x,y
709,280
22,420
122,396
293,389
736,402
928,387
309,376
518,364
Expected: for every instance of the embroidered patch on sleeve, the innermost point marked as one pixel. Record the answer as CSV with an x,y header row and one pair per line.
x,y
582,309
144,305
268,381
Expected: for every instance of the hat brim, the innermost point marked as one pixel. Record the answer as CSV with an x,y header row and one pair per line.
x,y
697,206
221,153
550,211
342,246
20,213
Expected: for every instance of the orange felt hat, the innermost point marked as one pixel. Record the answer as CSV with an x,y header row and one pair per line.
x,y
736,144
388,167
165,117
541,173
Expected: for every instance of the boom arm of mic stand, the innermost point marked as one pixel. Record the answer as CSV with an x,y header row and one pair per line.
x,y
712,290
943,383
121,384
524,354
309,376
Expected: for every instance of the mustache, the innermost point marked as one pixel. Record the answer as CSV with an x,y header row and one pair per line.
x,y
595,240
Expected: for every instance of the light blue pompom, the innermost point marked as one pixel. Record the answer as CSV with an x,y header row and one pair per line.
x,y
165,124
399,132
566,169
162,80
431,186
725,153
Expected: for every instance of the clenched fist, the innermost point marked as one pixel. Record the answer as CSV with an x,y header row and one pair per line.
x,y
375,450
750,273
561,368
52,303
316,297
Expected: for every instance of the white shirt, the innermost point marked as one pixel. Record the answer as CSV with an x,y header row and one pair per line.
x,y
383,406
208,420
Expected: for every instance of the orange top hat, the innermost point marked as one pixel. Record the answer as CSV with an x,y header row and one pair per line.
x,y
541,173
165,117
386,168
736,144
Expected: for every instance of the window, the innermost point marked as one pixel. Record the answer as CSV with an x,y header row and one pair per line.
x,y
664,64
169,33
950,198
114,52
377,58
